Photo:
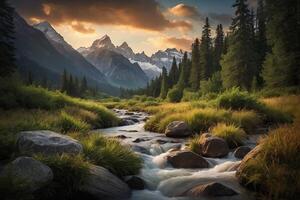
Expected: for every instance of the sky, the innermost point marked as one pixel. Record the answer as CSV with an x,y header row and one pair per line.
x,y
146,25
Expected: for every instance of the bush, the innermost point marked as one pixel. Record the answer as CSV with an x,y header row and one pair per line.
x,y
68,123
175,95
248,120
110,154
69,173
195,143
190,96
232,134
236,99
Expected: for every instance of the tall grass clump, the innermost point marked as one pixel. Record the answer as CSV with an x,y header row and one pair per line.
x,y
195,142
70,173
274,171
248,120
233,135
68,123
112,155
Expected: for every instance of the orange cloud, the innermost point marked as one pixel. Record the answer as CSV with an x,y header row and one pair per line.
x,y
142,14
179,43
79,27
183,10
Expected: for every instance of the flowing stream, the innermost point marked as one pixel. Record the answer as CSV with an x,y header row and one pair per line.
x,y
164,182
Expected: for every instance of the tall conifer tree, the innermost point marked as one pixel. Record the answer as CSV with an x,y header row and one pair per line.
x,y
218,48
194,78
164,84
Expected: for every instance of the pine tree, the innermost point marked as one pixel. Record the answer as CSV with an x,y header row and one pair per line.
x,y
281,68
238,64
65,84
194,78
76,91
164,84
206,67
218,48
7,59
225,46
261,40
70,90
184,72
173,74
83,85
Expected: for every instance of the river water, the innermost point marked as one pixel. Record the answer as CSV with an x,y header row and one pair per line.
x,y
163,182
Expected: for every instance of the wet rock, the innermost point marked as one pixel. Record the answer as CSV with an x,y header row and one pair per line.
x,y
241,172
210,189
186,159
34,173
129,131
131,119
135,182
102,184
138,140
178,129
122,137
129,113
47,142
241,151
140,149
213,147
126,122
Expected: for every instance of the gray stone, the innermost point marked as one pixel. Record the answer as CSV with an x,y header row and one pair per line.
x,y
213,147
186,159
178,129
210,189
34,173
47,142
104,185
135,182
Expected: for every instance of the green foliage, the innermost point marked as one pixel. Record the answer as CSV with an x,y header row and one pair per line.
x,y
233,135
281,67
236,99
109,153
218,48
190,96
213,84
238,64
69,172
175,95
206,65
164,84
194,78
7,144
173,74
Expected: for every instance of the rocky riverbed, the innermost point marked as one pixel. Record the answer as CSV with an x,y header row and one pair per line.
x,y
170,171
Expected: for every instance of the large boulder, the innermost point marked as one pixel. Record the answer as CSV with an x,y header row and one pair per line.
x,y
213,147
34,173
47,142
241,152
241,172
210,189
186,159
104,185
178,129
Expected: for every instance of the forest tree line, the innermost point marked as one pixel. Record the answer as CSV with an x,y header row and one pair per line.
x,y
260,50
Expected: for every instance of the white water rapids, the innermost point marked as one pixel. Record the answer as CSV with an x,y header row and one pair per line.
x,y
164,182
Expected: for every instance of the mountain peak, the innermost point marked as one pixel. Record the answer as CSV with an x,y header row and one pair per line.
x,y
103,42
124,45
49,31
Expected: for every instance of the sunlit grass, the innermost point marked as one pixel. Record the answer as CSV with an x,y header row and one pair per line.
x,y
233,135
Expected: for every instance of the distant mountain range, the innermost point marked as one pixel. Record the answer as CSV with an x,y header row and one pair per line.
x,y
150,65
44,52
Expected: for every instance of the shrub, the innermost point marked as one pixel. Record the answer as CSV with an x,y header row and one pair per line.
x,y
236,99
190,96
233,135
68,123
195,142
109,153
175,95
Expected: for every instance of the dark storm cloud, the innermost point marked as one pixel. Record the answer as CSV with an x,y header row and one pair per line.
x,y
143,14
